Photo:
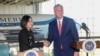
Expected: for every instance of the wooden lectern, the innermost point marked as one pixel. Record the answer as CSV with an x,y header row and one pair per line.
x,y
78,44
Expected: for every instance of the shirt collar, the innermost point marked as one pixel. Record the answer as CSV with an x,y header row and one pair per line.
x,y
61,20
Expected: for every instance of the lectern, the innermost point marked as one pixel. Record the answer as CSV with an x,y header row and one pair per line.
x,y
78,44
87,45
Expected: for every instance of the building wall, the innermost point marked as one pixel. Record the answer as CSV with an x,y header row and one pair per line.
x,y
17,9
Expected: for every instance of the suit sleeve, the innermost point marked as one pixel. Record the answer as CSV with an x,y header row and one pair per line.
x,y
74,33
50,34
38,44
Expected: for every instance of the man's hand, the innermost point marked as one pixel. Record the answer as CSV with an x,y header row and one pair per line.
x,y
46,43
76,53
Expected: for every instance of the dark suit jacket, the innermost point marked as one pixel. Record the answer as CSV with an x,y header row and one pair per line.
x,y
69,34
24,40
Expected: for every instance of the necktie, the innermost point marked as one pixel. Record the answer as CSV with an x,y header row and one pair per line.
x,y
59,27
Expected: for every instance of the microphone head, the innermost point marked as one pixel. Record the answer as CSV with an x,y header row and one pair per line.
x,y
84,26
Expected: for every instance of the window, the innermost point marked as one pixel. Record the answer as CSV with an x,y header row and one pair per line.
x,y
47,7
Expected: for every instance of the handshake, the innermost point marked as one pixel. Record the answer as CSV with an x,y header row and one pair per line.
x,y
46,43
40,52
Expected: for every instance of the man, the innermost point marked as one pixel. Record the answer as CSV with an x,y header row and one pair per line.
x,y
62,31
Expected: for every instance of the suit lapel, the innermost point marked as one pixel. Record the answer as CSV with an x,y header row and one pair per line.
x,y
56,27
63,26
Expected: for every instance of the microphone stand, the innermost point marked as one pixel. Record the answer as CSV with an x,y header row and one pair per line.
x,y
87,32
87,37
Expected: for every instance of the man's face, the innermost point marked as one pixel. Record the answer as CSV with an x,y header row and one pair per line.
x,y
58,12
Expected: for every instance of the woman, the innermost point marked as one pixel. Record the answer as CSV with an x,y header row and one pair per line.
x,y
26,38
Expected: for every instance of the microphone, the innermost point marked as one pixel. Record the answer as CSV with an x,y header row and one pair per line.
x,y
85,27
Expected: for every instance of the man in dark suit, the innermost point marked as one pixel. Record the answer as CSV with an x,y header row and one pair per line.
x,y
62,31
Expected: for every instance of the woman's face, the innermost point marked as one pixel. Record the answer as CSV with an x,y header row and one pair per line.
x,y
29,24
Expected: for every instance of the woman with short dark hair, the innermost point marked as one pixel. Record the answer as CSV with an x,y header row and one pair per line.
x,y
26,39
24,20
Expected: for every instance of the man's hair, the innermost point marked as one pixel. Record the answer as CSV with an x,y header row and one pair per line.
x,y
58,5
24,21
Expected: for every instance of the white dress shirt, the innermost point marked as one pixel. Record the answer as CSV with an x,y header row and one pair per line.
x,y
61,20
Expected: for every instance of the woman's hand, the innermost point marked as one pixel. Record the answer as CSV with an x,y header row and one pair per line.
x,y
40,53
